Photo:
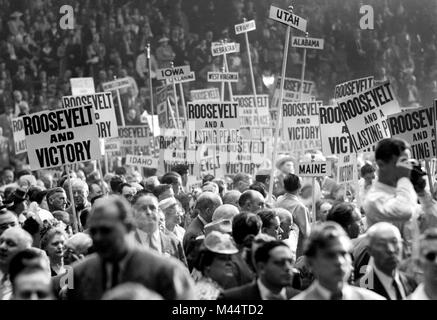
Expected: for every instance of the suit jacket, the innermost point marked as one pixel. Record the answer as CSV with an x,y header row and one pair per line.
x,y
170,245
250,291
164,275
349,293
195,229
408,283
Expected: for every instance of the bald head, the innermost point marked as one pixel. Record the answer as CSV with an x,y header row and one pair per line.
x,y
251,201
382,230
385,246
12,241
206,205
225,211
232,197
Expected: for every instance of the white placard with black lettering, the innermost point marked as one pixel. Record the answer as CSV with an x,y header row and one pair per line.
x,y
81,86
347,171
19,136
211,94
182,79
213,123
166,73
245,27
287,18
307,43
141,161
314,169
218,48
417,128
365,115
102,102
60,137
222,76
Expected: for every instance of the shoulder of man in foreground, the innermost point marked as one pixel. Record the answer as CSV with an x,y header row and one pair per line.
x,y
350,292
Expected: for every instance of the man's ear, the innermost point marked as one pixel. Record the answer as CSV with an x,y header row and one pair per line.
x,y
260,266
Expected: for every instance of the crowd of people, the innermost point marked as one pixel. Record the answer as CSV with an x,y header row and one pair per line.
x,y
129,236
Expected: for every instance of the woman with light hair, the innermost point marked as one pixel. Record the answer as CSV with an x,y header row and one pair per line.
x,y
53,243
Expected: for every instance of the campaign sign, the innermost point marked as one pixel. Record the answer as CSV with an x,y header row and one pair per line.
x,y
213,122
417,128
106,120
365,115
347,171
19,136
59,137
211,94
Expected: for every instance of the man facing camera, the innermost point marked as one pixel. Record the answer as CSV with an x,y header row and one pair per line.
x,y
327,251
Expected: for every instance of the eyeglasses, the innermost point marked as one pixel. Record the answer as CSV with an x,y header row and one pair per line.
x,y
430,256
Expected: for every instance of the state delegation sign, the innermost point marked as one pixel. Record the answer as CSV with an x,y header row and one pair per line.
x,y
60,137
213,123
245,27
182,79
365,115
141,161
307,43
167,73
222,76
106,120
82,86
218,48
314,169
287,18
417,128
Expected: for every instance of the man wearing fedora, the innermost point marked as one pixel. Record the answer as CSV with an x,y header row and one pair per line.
x,y
164,53
284,165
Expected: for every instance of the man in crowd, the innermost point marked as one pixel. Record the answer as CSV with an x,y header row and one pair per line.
x,y
427,290
232,197
382,274
29,272
80,196
203,210
271,224
12,241
56,199
327,251
392,197
291,202
274,265
110,221
148,234
251,201
348,217
8,219
242,181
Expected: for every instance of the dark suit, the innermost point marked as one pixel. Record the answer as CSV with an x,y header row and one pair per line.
x,y
195,229
250,291
164,275
170,245
408,283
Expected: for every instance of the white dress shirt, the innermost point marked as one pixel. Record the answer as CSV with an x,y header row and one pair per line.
x,y
391,204
419,293
387,282
265,293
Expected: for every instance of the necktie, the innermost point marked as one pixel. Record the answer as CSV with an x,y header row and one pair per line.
x,y
152,243
273,296
337,296
115,273
397,290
